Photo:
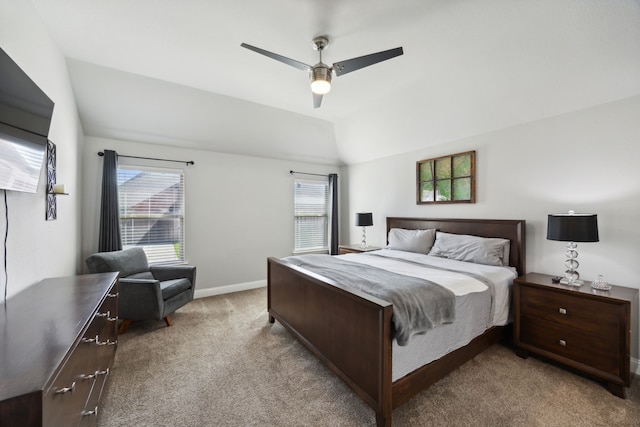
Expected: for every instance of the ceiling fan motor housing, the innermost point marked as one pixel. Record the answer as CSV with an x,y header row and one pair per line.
x,y
320,76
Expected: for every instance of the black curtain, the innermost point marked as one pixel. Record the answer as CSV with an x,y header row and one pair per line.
x,y
109,239
333,214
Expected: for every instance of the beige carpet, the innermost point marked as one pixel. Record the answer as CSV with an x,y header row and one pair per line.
x,y
223,364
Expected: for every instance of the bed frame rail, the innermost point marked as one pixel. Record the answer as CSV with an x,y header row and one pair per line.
x,y
331,322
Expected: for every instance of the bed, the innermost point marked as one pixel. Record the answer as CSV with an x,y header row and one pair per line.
x,y
352,332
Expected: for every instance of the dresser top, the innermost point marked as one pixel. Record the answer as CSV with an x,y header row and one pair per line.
x,y
39,325
616,292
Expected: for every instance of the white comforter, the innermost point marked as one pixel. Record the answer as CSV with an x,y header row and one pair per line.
x,y
473,303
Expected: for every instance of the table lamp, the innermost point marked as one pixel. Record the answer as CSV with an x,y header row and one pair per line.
x,y
364,219
572,227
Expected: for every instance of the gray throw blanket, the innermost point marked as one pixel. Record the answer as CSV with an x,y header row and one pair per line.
x,y
418,304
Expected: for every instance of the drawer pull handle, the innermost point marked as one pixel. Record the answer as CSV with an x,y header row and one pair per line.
x,y
563,343
107,342
67,389
113,295
92,412
107,314
87,376
112,319
105,372
89,340
562,310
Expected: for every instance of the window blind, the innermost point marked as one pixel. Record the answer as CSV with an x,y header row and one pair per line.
x,y
151,203
311,201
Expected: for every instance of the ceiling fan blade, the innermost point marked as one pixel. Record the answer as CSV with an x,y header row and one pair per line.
x,y
344,67
284,59
317,100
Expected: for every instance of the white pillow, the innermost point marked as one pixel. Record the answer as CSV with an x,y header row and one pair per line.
x,y
411,240
462,247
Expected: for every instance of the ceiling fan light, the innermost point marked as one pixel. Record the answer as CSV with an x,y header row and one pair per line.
x,y
320,77
320,87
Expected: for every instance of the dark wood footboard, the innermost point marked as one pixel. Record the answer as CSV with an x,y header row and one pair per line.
x,y
349,331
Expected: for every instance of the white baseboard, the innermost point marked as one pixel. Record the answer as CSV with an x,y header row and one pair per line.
x,y
219,290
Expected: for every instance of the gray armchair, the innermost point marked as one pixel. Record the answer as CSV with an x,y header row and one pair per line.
x,y
146,292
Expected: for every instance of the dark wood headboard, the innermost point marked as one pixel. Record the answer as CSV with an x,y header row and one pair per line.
x,y
511,229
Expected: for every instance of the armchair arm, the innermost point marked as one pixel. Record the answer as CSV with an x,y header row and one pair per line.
x,y
140,299
170,272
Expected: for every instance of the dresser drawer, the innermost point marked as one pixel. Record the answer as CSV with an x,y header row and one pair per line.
x,y
601,352
65,399
596,317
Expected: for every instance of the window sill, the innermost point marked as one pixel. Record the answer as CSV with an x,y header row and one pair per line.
x,y
311,251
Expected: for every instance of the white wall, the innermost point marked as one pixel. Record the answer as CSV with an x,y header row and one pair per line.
x,y
587,161
239,209
37,248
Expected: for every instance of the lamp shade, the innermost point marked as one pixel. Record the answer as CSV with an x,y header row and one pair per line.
x,y
364,219
573,227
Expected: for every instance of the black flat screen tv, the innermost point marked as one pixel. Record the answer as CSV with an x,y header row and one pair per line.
x,y
25,118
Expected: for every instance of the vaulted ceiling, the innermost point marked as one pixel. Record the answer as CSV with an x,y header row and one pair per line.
x,y
173,72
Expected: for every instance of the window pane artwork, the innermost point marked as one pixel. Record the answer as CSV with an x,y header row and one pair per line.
x,y
447,179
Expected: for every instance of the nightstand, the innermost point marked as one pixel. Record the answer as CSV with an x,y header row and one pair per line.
x,y
582,328
354,249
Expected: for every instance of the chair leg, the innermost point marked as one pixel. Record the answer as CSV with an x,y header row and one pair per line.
x,y
168,320
124,326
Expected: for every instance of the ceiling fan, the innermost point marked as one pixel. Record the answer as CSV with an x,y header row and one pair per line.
x,y
320,74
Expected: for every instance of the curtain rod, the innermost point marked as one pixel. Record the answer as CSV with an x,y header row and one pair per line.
x,y
190,162
307,173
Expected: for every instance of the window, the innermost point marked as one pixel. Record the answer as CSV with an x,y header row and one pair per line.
x,y
152,212
448,179
311,211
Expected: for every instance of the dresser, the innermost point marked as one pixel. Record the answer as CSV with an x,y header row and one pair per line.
x,y
588,330
58,340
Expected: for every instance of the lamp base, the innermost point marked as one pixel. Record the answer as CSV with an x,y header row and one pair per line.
x,y
363,244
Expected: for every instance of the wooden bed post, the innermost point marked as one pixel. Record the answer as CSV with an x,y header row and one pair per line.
x,y
385,408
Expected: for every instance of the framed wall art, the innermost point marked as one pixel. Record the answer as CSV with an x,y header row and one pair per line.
x,y
447,179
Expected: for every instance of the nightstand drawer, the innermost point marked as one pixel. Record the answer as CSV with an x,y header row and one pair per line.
x,y
601,352
596,317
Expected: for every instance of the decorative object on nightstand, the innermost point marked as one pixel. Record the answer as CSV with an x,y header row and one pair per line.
x,y
364,219
600,284
591,331
572,227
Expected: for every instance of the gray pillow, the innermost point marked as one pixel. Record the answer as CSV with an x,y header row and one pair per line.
x,y
419,241
481,250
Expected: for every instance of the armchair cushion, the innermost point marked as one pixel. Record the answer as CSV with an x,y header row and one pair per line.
x,y
127,262
171,288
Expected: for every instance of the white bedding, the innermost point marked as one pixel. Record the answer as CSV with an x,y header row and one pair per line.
x,y
473,303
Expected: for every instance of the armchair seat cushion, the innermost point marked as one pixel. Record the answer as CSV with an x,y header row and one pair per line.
x,y
171,288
